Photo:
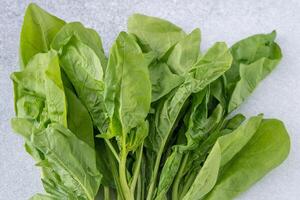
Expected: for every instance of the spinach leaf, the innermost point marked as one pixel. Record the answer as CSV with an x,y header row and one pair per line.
x,y
127,99
79,120
223,151
128,87
163,80
63,151
158,34
215,62
160,109
253,59
38,30
168,174
212,65
39,91
185,53
87,36
83,68
43,197
270,143
40,102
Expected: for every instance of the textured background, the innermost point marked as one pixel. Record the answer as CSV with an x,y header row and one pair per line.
x,y
230,20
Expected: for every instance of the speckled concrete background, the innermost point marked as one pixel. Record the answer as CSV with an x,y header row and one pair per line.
x,y
231,20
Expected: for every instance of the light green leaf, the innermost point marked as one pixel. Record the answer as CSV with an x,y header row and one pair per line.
x,y
64,152
136,137
207,176
39,92
168,173
266,150
185,53
212,65
38,30
163,80
253,59
43,197
158,34
225,148
232,143
87,36
83,68
128,86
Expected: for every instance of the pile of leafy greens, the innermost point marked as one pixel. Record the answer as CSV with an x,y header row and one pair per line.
x,y
152,121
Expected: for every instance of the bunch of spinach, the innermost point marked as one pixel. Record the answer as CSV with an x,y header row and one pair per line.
x,y
153,121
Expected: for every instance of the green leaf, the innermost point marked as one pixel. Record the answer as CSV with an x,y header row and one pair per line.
x,y
136,137
87,36
128,86
253,59
158,34
79,120
83,68
222,152
64,152
163,80
168,174
185,53
38,30
212,65
200,122
270,143
43,197
159,107
39,92
218,92
207,176
234,122
40,100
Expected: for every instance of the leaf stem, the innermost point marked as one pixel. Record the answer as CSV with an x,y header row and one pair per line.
x,y
115,174
187,185
122,171
178,178
137,170
106,193
111,147
155,171
139,189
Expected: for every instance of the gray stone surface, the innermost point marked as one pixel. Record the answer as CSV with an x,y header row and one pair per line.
x,y
231,20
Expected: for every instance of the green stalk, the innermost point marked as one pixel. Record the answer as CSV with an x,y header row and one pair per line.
x,y
122,171
187,185
178,178
106,193
155,172
115,175
142,181
112,149
136,170
139,189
